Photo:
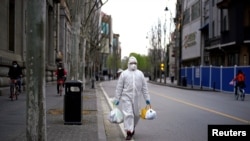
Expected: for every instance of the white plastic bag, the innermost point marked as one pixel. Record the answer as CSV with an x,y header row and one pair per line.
x,y
150,114
231,83
115,116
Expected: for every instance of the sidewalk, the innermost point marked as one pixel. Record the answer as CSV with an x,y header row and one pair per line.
x,y
94,127
90,130
94,121
95,108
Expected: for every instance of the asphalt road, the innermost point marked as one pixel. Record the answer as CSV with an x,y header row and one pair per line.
x,y
184,115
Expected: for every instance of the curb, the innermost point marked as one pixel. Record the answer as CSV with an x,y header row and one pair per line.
x,y
108,99
4,91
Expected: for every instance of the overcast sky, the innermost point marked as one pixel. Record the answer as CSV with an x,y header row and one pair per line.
x,y
133,19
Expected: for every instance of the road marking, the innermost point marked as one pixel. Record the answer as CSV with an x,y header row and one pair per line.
x,y
121,125
203,108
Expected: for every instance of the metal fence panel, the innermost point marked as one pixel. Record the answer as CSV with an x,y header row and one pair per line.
x,y
213,77
227,76
189,75
196,76
205,76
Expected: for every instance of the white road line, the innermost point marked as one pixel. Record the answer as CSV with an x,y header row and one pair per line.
x,y
121,125
203,108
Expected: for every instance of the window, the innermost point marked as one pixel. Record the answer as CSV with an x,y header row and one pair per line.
x,y
245,60
12,25
247,17
224,27
233,59
186,16
213,29
195,11
115,44
105,28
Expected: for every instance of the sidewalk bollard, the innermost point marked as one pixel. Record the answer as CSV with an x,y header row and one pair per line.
x,y
92,83
184,81
214,86
172,79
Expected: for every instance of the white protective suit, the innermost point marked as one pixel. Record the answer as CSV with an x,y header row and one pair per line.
x,y
130,88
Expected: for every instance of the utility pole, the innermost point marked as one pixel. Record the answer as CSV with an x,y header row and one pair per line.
x,y
35,70
181,18
180,54
179,25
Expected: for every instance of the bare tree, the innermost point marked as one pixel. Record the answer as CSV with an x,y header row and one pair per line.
x,y
86,34
76,12
153,54
93,32
156,50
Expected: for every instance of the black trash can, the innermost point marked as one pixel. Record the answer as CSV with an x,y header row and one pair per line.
x,y
184,81
73,103
172,79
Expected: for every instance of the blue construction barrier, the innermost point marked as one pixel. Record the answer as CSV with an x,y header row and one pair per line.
x,y
214,77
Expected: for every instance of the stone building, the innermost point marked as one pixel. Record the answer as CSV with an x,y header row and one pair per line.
x,y
62,36
13,37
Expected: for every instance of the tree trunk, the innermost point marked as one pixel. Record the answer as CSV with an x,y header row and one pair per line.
x,y
35,67
77,14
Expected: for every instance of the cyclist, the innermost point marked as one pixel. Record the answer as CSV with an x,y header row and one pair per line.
x,y
15,72
240,81
61,73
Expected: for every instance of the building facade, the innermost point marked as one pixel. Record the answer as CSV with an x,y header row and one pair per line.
x,y
13,37
191,38
212,32
66,35
234,28
107,43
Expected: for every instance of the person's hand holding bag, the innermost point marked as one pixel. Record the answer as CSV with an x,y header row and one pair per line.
x,y
150,114
116,102
115,115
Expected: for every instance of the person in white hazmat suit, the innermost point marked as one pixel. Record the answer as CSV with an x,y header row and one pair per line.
x,y
130,88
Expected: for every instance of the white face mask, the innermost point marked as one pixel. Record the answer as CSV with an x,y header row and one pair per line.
x,y
133,67
15,66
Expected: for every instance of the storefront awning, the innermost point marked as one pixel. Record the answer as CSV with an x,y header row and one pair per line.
x,y
205,27
224,4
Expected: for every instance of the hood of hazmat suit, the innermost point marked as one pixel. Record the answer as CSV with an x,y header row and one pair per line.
x,y
131,87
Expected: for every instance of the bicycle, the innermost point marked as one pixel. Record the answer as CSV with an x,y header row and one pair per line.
x,y
60,82
240,93
14,90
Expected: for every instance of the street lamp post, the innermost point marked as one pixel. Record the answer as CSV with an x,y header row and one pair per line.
x,y
165,51
167,47
180,53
